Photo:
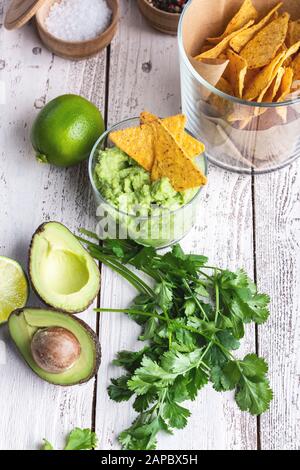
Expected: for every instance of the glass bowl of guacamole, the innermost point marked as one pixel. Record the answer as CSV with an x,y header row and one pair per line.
x,y
130,205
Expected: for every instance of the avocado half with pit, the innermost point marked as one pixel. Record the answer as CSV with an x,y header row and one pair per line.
x,y
62,272
59,347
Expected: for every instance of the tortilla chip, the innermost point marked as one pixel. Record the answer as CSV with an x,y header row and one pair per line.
x,y
286,84
191,146
288,55
263,98
292,50
296,67
206,47
274,87
215,52
260,51
176,125
244,116
250,76
221,105
145,117
237,72
240,41
137,142
246,13
224,86
285,90
240,113
282,113
289,60
172,162
223,56
264,78
293,34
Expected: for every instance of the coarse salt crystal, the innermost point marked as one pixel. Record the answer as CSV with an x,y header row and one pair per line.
x,y
78,20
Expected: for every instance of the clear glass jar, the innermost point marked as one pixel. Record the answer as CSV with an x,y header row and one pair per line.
x,y
160,229
239,135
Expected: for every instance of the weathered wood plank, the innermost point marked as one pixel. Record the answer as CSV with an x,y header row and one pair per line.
x,y
144,74
277,203
30,194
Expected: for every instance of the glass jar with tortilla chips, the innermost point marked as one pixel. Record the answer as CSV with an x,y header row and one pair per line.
x,y
240,81
130,205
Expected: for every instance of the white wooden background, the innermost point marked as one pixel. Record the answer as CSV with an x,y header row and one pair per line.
x,y
245,222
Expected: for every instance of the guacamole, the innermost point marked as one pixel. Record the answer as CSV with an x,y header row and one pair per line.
x,y
132,206
128,187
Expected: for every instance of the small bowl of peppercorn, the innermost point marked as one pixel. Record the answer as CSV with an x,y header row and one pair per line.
x,y
162,14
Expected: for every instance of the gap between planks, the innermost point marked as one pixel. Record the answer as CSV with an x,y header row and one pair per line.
x,y
255,278
98,314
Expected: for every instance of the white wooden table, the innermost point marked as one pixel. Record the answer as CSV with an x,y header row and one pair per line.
x,y
247,222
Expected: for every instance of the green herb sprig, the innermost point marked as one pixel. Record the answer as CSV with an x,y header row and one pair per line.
x,y
192,321
78,439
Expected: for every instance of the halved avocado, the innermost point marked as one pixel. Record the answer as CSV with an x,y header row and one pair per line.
x,y
26,324
62,272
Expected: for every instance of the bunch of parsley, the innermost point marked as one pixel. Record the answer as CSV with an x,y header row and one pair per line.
x,y
192,318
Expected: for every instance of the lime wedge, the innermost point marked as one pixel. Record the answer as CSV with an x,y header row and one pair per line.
x,y
13,287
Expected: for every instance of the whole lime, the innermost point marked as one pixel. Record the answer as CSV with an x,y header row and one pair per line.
x,y
65,130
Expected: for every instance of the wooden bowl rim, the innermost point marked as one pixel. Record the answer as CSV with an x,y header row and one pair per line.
x,y
166,14
111,27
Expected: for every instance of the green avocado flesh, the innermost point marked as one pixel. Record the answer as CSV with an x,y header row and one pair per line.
x,y
62,272
23,324
126,185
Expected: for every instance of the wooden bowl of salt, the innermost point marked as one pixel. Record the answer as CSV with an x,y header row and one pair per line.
x,y
73,29
76,49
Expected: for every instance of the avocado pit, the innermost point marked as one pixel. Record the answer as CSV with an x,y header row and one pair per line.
x,y
55,349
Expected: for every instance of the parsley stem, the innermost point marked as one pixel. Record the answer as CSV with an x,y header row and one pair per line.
x,y
153,315
202,282
206,275
162,318
116,266
204,354
151,273
132,312
169,330
111,261
87,242
213,267
217,301
195,300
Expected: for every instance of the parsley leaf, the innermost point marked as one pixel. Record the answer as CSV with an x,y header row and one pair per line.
x,y
255,367
47,445
254,397
175,415
81,439
118,390
241,300
253,392
164,294
130,360
78,439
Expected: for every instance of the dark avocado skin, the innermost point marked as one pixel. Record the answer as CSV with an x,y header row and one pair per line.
x,y
89,331
40,229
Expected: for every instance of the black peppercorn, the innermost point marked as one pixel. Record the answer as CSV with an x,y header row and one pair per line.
x,y
171,6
